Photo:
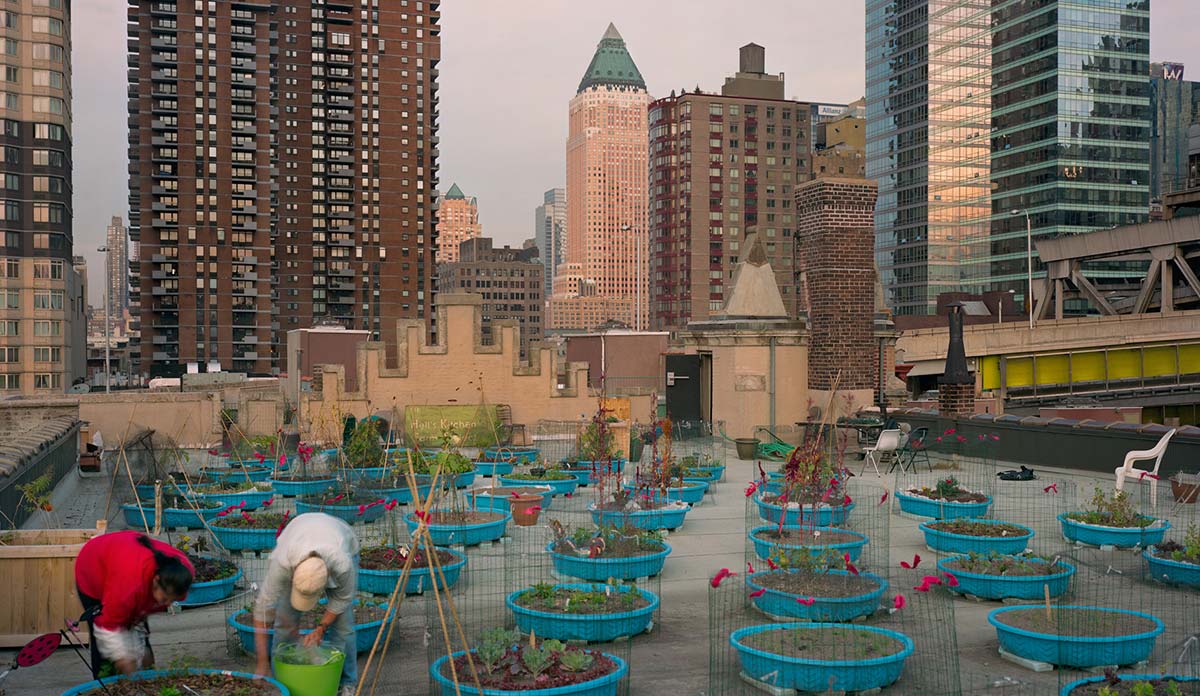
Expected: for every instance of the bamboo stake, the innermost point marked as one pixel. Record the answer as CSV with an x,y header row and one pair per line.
x,y
1046,592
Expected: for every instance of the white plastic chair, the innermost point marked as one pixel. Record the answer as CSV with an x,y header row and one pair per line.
x,y
1127,470
886,446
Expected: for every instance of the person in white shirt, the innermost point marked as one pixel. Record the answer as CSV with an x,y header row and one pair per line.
x,y
315,556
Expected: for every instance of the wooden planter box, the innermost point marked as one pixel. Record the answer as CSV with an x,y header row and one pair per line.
x,y
38,567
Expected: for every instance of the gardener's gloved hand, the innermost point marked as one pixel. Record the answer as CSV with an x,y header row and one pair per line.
x,y
314,638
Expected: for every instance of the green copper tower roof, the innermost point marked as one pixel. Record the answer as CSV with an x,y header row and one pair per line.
x,y
612,65
455,192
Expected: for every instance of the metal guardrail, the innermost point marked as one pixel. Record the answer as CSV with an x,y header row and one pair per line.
x,y
57,459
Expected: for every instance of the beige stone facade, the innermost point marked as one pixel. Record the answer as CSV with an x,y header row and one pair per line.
x,y
458,221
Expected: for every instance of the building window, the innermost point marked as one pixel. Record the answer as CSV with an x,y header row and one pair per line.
x,y
10,327
11,268
48,268
47,327
10,381
10,355
11,299
48,299
48,131
46,354
47,380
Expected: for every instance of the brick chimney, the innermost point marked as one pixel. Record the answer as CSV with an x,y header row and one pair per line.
x,y
956,386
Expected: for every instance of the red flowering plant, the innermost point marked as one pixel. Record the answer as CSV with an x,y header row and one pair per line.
x,y
647,488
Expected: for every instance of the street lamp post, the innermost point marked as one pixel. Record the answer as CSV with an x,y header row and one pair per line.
x,y
107,328
1028,260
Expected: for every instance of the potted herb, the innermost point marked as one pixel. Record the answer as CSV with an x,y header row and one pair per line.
x,y
704,468
946,500
1112,520
215,577
1176,562
355,505
623,553
369,617
453,467
1113,684
591,612
1076,636
380,569
964,535
246,532
499,498
180,683
508,665
821,657
1003,576
769,540
561,481
815,587
363,455
178,511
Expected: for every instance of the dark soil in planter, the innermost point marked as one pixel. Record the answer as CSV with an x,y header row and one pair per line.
x,y
1175,551
805,584
202,684
978,529
209,569
962,496
806,537
1007,566
1101,519
389,558
554,677
179,502
304,479
805,500
365,497
507,492
548,476
825,644
449,517
269,520
243,487
564,601
643,505
363,613
1124,687
615,546
1076,623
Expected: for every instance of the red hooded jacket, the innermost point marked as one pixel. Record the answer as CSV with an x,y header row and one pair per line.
x,y
119,571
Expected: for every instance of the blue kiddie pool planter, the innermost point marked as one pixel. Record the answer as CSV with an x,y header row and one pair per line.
x,y
172,517
1070,651
367,474
522,455
493,468
601,569
1066,690
950,542
501,502
763,547
599,628
820,675
602,686
708,474
239,539
212,591
254,474
565,486
822,516
1172,571
403,494
650,520
465,534
940,509
346,513
691,492
364,633
1120,537
290,488
253,498
784,604
1006,586
383,582
94,688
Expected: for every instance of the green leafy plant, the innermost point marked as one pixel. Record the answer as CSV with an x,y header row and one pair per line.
x,y
536,660
37,492
1142,688
1186,552
364,449
169,691
494,644
1115,510
576,661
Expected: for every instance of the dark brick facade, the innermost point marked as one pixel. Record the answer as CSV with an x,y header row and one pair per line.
x,y
955,400
835,262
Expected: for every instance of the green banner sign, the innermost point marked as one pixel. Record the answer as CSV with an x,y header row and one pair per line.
x,y
426,426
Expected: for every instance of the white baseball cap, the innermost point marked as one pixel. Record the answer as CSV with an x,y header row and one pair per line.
x,y
308,583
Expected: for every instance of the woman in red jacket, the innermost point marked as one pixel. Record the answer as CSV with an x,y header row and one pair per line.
x,y
122,578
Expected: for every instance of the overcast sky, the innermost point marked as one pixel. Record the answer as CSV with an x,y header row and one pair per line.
x,y
508,70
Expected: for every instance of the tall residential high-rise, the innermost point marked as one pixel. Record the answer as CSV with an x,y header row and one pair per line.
x,y
550,232
283,168
43,301
723,167
606,193
116,270
1070,127
1174,108
457,221
928,120
509,281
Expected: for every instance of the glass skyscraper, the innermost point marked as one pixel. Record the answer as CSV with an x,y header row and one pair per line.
x,y
928,106
1070,127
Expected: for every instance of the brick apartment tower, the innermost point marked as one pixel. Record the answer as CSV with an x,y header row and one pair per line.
x,y
510,281
835,255
606,194
43,298
457,221
282,168
723,167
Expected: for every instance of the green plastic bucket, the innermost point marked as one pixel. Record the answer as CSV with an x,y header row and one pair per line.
x,y
310,679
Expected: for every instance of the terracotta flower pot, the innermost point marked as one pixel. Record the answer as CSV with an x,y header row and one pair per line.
x,y
525,509
1185,488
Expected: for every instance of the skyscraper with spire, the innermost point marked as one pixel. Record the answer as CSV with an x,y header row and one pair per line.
x,y
457,221
603,276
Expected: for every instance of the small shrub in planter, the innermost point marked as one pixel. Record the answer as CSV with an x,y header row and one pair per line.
x,y
1001,576
508,664
963,535
213,582
563,482
350,507
1112,520
245,532
624,553
622,508
816,540
816,587
207,682
945,500
1113,684
381,567
1176,562
591,612
822,657
1076,636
